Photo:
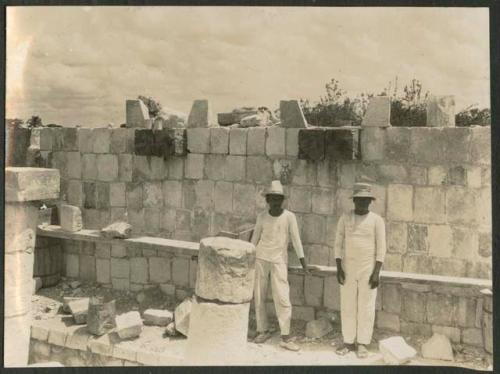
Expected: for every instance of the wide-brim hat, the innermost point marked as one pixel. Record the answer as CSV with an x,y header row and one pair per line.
x,y
276,188
362,190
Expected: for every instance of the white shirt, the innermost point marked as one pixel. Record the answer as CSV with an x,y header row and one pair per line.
x,y
360,239
272,234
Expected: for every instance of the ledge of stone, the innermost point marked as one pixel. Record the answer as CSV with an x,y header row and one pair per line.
x,y
31,184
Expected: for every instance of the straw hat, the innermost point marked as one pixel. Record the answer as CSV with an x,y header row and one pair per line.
x,y
362,190
276,188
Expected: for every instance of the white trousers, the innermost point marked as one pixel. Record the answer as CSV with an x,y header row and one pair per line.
x,y
281,295
357,305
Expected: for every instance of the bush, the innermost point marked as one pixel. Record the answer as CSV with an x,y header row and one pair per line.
x,y
154,107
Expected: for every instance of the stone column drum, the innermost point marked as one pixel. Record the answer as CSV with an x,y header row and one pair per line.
x,y
218,326
23,187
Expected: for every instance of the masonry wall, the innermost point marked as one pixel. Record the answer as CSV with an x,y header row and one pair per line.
x,y
433,185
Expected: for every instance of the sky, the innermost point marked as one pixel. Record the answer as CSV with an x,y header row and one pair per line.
x,y
78,65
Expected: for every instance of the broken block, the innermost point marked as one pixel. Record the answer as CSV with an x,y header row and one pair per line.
x,y
291,114
128,325
66,301
79,308
181,316
200,115
318,328
441,111
170,329
137,114
120,230
396,351
70,218
226,270
157,317
438,347
378,112
29,184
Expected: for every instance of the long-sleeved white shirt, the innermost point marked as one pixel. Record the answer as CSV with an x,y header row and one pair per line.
x,y
360,239
272,234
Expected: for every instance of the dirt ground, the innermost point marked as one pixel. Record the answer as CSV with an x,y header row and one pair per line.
x,y
47,305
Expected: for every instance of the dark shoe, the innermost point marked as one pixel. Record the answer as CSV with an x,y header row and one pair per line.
x,y
344,349
262,337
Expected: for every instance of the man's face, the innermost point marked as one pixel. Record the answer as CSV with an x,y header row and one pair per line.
x,y
362,203
274,201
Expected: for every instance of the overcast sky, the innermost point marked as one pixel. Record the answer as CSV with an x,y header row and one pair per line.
x,y
78,65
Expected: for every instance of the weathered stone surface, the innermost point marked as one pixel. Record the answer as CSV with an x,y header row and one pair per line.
x,y
472,337
70,218
332,293
312,144
79,309
438,347
37,284
342,144
256,141
29,184
487,300
291,114
453,333
318,328
238,141
120,230
400,202
429,205
396,351
300,199
182,315
200,115
441,111
372,143
225,270
259,169
378,112
417,238
488,332
223,339
129,325
292,142
194,166
170,329
157,317
219,140
137,113
441,309
313,290
413,306
275,142
440,240
388,321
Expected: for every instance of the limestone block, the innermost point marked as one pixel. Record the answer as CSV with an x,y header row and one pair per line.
x,y
107,167
318,328
103,271
472,337
29,184
120,268
79,309
275,142
198,140
182,315
194,166
238,141
244,199
223,197
438,347
441,111
235,168
400,202
453,333
37,284
121,230
413,306
300,199
74,165
378,112
70,218
144,142
292,142
441,309
200,115
391,298
256,141
322,201
157,317
372,143
219,140
301,313
488,332
396,351
440,240
172,193
388,321
101,139
137,113
342,144
291,114
225,270
332,293
487,300
311,144
159,269
313,290
259,169
481,145
129,325
314,228
139,270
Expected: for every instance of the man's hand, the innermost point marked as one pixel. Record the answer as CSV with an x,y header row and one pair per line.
x,y
304,266
374,279
340,272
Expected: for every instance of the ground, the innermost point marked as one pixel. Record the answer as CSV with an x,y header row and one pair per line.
x,y
47,303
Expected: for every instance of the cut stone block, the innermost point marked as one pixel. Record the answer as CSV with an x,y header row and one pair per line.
x,y
438,347
441,111
219,140
181,316
318,328
291,114
342,144
129,325
396,351
312,144
37,284
79,309
198,140
226,270
157,317
137,114
200,115
120,230
70,218
30,184
378,112
275,142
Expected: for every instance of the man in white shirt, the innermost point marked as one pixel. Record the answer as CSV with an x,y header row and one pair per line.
x,y
359,252
273,230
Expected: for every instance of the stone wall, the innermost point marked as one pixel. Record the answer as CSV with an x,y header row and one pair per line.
x,y
433,185
406,303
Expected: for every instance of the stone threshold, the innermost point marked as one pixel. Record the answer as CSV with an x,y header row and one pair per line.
x,y
189,249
